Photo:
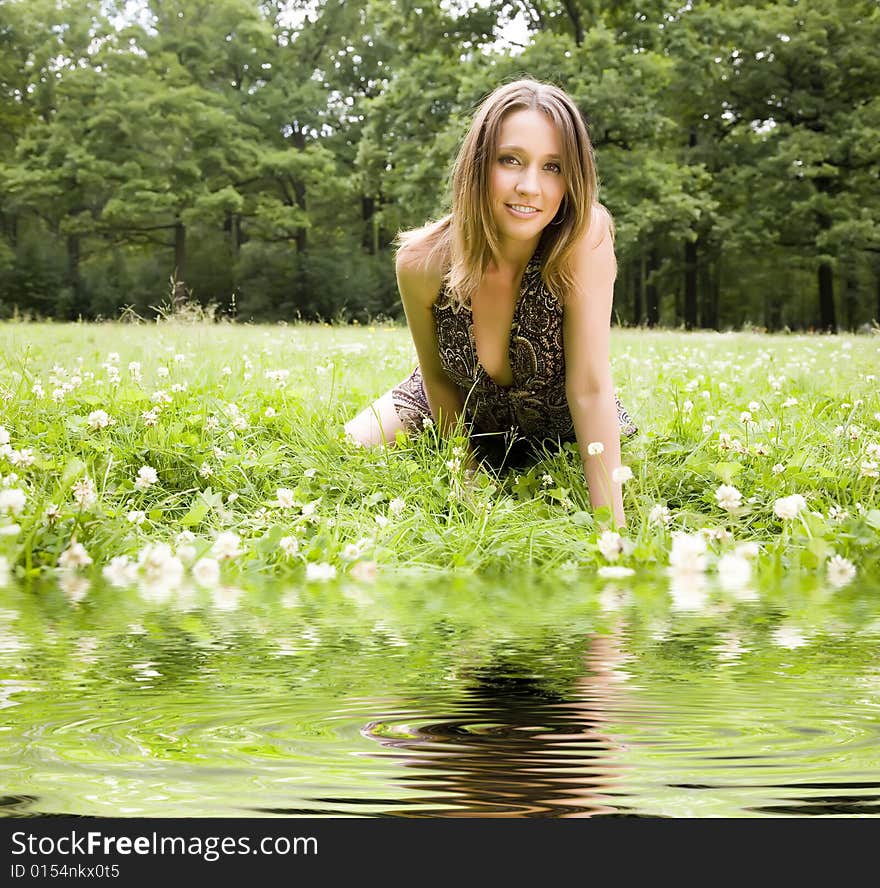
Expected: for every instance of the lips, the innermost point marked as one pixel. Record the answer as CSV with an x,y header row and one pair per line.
x,y
523,209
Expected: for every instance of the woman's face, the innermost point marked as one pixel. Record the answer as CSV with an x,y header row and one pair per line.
x,y
526,185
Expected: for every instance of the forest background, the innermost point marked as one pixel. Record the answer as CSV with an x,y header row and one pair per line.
x,y
258,158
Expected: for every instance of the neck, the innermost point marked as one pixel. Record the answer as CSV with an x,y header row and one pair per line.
x,y
512,258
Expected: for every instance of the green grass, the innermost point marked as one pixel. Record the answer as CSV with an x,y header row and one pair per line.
x,y
220,456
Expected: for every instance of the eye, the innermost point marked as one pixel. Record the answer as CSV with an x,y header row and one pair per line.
x,y
556,168
507,159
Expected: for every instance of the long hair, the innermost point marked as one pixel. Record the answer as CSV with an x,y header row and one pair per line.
x,y
465,240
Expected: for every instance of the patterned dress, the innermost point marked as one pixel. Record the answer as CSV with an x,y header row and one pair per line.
x,y
534,408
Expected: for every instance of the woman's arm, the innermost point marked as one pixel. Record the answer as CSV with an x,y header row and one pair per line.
x,y
419,285
588,385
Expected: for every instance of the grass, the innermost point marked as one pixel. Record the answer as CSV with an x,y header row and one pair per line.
x,y
253,477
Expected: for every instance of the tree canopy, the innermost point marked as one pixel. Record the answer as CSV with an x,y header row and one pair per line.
x,y
262,156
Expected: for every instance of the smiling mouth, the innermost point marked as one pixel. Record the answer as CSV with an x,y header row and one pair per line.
x,y
523,209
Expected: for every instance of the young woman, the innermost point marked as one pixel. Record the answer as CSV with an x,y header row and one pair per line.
x,y
508,298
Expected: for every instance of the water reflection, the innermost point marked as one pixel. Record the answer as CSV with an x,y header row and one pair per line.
x,y
516,748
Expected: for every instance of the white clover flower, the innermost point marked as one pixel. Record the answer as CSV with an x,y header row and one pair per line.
x,y
84,493
136,517
160,396
746,417
120,572
161,566
716,533
381,520
872,448
396,506
309,508
4,436
10,530
179,387
621,475
113,357
594,448
836,513
212,423
179,359
226,371
754,406
151,417
748,550
146,477
546,480
728,497
270,412
868,469
610,545
659,514
206,572
185,552
854,432
205,470
351,552
840,571
734,571
320,572
75,555
289,545
778,469
789,507
724,441
285,498
12,501
24,457
790,402
310,473
99,419
162,372
226,546
688,553
615,572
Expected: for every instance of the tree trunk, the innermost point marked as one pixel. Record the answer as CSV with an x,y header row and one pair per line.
x,y
850,297
574,16
179,280
690,285
652,296
74,281
827,317
639,291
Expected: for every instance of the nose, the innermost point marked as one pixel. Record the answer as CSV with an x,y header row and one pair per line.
x,y
528,181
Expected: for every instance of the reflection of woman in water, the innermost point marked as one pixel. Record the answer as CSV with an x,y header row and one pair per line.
x,y
518,749
508,298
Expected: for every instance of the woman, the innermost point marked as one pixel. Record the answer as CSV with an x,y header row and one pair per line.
x,y
508,298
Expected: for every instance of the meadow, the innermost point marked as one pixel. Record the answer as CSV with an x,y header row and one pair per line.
x,y
175,455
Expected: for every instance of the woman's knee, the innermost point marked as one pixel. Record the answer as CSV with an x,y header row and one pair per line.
x,y
377,425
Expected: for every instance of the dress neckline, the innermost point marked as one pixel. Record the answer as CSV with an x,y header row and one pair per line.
x,y
479,369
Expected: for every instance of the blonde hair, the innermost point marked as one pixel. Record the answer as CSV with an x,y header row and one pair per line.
x,y
464,241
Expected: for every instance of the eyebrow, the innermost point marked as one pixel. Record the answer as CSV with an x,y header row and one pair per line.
x,y
523,151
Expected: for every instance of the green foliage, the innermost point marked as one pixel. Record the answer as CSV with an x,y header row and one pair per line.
x,y
270,158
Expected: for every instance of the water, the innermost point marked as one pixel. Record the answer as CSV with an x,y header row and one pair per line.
x,y
456,697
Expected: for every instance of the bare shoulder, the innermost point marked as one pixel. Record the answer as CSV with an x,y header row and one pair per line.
x,y
600,229
419,271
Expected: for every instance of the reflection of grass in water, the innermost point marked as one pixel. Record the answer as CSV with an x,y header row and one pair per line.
x,y
247,411
222,701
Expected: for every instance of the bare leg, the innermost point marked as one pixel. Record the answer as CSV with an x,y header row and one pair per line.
x,y
378,424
